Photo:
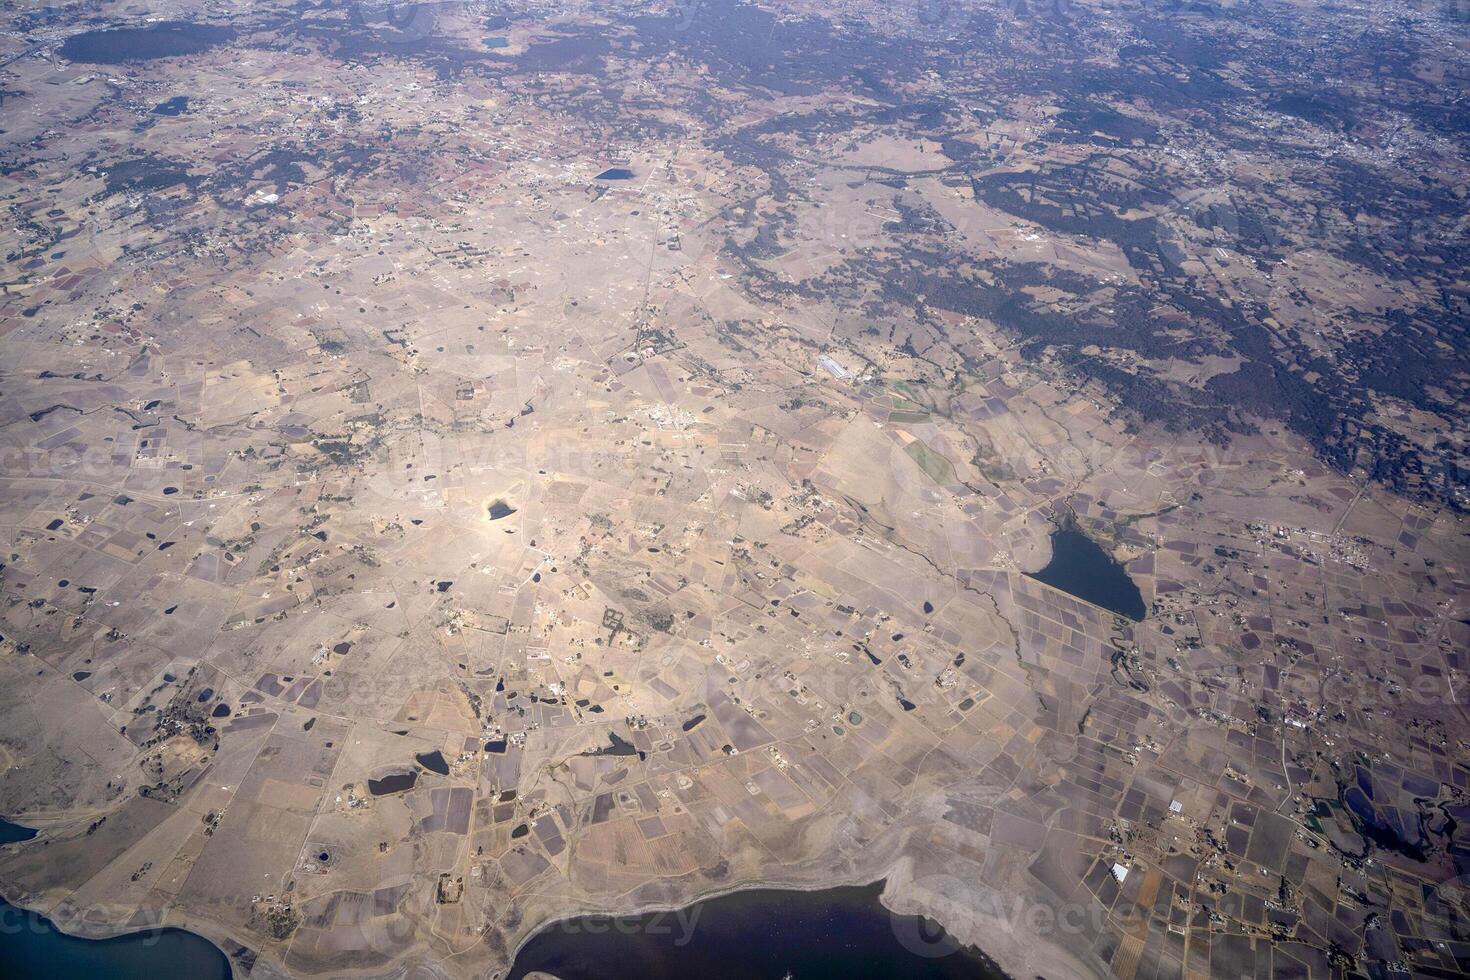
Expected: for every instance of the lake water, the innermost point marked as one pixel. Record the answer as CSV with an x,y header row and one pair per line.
x,y
173,107
30,946
165,39
13,832
834,934
398,782
1080,567
433,761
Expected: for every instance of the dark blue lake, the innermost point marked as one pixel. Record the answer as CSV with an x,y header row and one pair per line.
x,y
1080,567
834,934
30,946
13,832
173,107
164,39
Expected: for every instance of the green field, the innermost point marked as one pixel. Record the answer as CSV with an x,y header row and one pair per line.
x,y
935,466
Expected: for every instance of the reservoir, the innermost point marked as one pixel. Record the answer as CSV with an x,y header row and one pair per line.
x,y
433,761
30,946
1080,567
165,39
834,934
10,833
173,107
398,782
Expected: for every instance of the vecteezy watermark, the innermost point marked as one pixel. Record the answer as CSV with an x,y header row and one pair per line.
x,y
1446,909
144,927
395,23
677,926
685,11
936,18
1305,690
954,912
1216,224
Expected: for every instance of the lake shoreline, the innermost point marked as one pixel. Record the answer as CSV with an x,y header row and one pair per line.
x,y
1080,567
190,942
897,897
886,897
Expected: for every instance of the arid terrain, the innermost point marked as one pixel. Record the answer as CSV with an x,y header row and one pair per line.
x,y
467,465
